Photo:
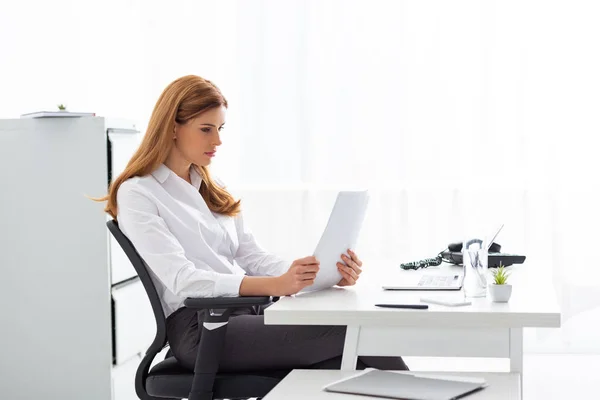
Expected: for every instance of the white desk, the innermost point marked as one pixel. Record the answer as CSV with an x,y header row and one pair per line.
x,y
484,329
308,384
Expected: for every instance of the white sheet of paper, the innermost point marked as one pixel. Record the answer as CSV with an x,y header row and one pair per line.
x,y
340,234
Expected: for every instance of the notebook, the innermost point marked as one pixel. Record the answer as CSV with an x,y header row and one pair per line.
x,y
406,386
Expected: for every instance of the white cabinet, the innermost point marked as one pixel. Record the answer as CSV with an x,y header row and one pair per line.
x,y
123,379
123,140
134,323
73,304
120,267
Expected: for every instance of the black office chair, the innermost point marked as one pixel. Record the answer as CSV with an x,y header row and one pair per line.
x,y
170,380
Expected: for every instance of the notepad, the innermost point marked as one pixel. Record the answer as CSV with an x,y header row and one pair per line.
x,y
408,386
340,234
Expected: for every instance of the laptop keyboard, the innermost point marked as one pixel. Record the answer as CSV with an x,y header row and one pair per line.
x,y
438,280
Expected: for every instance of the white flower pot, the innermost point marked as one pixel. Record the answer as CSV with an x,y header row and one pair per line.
x,y
500,293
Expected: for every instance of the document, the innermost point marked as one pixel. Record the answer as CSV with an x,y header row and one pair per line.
x,y
340,234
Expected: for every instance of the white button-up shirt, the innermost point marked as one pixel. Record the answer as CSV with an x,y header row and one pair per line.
x,y
191,251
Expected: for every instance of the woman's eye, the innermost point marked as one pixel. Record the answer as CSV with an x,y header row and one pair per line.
x,y
205,130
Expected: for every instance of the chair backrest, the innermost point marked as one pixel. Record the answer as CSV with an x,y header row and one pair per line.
x,y
161,324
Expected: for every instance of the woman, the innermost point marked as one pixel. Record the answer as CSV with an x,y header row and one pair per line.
x,y
191,233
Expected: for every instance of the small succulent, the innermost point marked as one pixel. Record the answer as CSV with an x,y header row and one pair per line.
x,y
500,275
62,107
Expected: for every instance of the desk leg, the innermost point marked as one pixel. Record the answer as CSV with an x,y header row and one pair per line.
x,y
350,355
516,353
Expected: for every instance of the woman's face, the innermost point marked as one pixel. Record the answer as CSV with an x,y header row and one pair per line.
x,y
198,139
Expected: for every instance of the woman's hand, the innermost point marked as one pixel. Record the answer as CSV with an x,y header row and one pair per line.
x,y
350,269
302,273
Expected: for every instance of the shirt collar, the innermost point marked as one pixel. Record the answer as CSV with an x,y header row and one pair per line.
x,y
162,173
195,177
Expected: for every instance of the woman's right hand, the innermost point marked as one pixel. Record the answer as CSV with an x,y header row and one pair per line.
x,y
302,273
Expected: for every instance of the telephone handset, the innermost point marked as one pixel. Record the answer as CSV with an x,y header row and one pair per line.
x,y
453,255
457,246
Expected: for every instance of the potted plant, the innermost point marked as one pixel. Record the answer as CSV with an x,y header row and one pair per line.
x,y
499,290
62,107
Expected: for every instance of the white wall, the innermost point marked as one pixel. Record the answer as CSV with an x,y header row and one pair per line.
x,y
456,114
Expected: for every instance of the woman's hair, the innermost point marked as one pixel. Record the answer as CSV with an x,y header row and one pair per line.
x,y
184,99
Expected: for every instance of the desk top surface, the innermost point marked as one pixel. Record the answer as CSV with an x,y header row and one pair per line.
x,y
308,384
532,304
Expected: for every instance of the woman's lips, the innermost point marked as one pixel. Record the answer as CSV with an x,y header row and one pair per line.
x,y
211,153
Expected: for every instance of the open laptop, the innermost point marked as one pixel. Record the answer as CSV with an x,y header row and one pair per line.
x,y
431,280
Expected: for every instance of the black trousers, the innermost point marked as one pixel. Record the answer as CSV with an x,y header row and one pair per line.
x,y
252,345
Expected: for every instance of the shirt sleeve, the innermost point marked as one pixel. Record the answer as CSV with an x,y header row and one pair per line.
x,y
139,219
252,258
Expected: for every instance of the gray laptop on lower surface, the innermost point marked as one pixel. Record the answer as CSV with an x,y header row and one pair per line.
x,y
406,386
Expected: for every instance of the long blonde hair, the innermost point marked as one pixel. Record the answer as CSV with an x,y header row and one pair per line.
x,y
184,99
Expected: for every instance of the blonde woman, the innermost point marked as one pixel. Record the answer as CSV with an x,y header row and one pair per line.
x,y
191,233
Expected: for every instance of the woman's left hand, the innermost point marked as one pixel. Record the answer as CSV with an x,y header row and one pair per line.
x,y
350,268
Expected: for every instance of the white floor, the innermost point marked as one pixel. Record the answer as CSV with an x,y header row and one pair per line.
x,y
546,377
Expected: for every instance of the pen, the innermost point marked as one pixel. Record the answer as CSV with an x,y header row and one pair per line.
x,y
409,306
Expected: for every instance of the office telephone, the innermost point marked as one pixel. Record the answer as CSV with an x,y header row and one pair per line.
x,y
453,255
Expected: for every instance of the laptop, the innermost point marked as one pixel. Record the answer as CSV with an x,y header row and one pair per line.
x,y
415,280
406,386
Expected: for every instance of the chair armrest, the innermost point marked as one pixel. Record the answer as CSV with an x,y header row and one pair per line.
x,y
213,326
199,303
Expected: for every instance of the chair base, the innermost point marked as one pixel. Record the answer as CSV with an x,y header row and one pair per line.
x,y
168,379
